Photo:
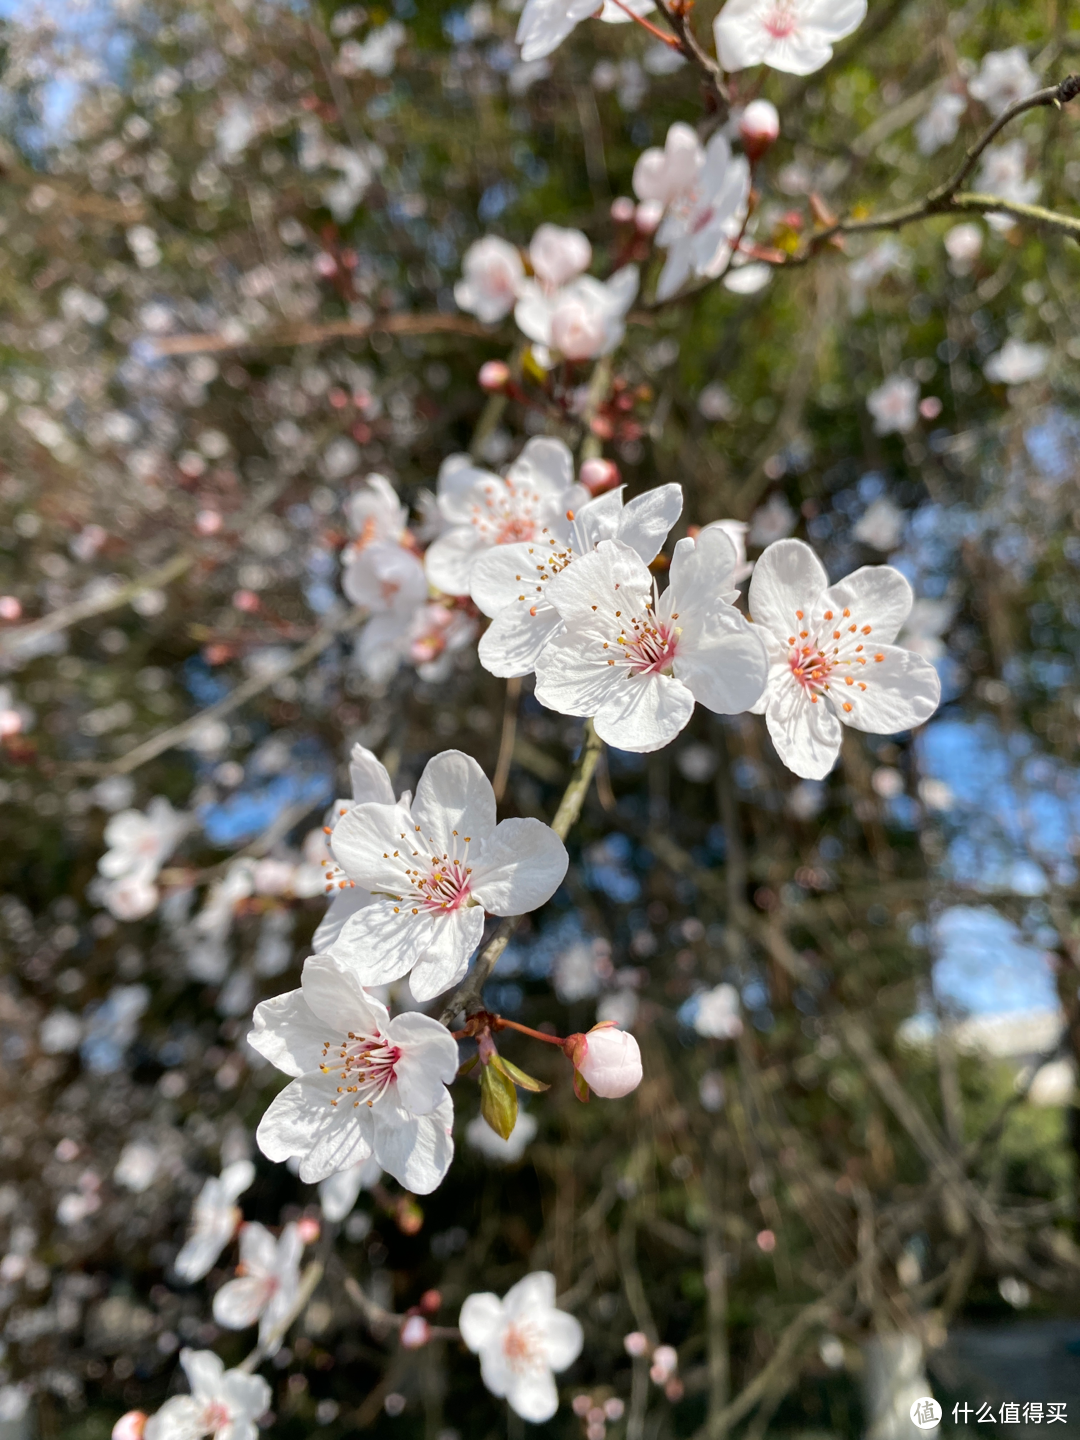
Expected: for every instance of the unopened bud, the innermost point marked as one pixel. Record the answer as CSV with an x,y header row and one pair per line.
x,y
607,1059
622,210
930,407
648,215
599,476
130,1426
409,1217
415,1332
636,1343
10,608
494,376
308,1230
431,1301
247,601
665,1362
759,127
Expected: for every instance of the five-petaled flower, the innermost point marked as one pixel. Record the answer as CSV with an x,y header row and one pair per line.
x,y
363,1085
521,1340
436,863
580,320
510,584
224,1404
795,36
483,511
636,661
491,276
266,1284
214,1219
831,657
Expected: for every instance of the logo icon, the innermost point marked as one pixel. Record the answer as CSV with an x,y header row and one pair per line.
x,y
926,1413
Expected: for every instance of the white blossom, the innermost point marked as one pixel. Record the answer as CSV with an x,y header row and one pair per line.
x,y
581,320
482,511
881,526
375,514
894,405
716,1013
1017,362
661,175
370,781
1003,173
521,1340
636,661
492,1146
214,1219
364,1085
940,124
545,24
339,1192
223,1404
376,54
703,220
963,244
510,584
558,254
796,36
266,1284
138,846
436,863
389,581
1003,78
832,657
137,1166
492,273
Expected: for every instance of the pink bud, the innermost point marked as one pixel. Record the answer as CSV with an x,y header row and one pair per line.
x,y
648,215
10,609
622,210
246,600
430,1301
636,1343
608,1060
766,1241
208,522
581,1405
599,475
494,376
759,127
308,1230
415,1332
665,1361
130,1426
930,407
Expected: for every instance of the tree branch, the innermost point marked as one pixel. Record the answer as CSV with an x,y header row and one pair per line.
x,y
306,333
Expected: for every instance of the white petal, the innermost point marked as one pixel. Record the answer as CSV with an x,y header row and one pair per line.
x,y
725,665
454,794
286,1032
789,577
204,1371
806,736
519,867
545,463
370,780
449,559
481,1321
337,999
902,691
180,1418
338,1192
384,941
644,713
429,1061
533,312
304,1121
240,1303
572,677
500,574
612,566
545,24
876,595
364,844
702,570
235,1179
245,1395
415,1150
535,1294
453,938
515,639
258,1249
563,1338
532,1395
344,904
646,521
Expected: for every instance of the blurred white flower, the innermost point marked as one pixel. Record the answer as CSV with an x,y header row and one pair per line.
x,y
492,273
339,1192
1016,363
716,1013
881,526
376,54
894,405
545,24
137,1166
963,244
214,1220
266,1284
796,36
223,1404
941,123
772,521
521,1340
482,1137
1003,78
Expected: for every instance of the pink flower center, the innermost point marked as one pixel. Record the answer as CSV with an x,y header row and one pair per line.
x,y
839,645
522,1347
447,886
507,513
653,648
781,21
365,1066
216,1416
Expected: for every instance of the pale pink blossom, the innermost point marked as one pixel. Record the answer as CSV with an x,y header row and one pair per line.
x,y
940,124
832,660
796,36
214,1220
558,255
266,1284
894,405
703,221
1017,362
581,320
436,863
1004,77
363,1085
545,24
664,174
759,128
375,514
523,1341
223,1404
607,1059
492,273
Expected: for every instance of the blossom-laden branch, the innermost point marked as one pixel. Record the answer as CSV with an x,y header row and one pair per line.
x,y
945,198
467,996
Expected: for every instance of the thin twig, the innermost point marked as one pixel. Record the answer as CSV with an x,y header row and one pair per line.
x,y
467,996
305,333
308,1281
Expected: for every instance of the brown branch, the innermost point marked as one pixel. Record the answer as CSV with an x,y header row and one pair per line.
x,y
306,333
677,13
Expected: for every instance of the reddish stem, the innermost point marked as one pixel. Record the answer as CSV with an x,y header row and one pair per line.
x,y
498,1023
660,35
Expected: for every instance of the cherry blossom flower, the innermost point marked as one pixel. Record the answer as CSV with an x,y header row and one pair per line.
x,y
523,621
363,1085
702,222
437,632
662,175
607,1059
635,661
370,782
894,405
375,514
963,244
940,124
735,530
214,1219
716,1013
339,1192
483,511
832,657
521,1340
493,1147
558,254
492,273
881,526
1016,363
796,36
224,1404
1003,172
266,1284
390,582
437,862
138,846
1003,78
545,24
583,319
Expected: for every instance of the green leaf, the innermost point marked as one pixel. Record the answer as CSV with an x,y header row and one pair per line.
x,y
468,1066
498,1101
581,1088
518,1076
